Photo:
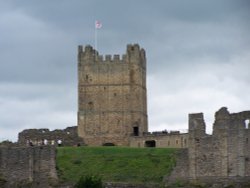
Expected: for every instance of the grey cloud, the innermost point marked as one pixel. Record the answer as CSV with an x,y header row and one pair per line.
x,y
43,50
198,88
197,52
36,106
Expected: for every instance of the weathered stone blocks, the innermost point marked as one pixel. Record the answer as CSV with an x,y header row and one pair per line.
x,y
112,98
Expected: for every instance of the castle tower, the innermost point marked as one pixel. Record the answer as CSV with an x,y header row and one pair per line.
x,y
112,97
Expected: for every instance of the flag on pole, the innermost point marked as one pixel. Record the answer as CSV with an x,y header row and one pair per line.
x,y
98,24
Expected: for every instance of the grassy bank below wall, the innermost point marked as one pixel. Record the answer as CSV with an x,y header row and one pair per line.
x,y
115,164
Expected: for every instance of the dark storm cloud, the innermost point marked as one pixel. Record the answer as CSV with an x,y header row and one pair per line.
x,y
197,52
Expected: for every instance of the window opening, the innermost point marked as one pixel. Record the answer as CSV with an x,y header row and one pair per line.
x,y
136,131
247,123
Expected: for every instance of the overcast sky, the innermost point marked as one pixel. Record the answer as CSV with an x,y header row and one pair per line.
x,y
198,57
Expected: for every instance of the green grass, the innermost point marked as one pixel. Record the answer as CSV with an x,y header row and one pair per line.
x,y
115,164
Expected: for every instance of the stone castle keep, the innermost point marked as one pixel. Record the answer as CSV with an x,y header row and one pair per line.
x,y
112,110
112,105
112,97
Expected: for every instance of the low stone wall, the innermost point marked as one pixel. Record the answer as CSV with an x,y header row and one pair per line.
x,y
180,176
170,140
27,167
211,182
67,137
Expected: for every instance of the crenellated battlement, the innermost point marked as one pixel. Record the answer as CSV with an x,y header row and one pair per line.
x,y
134,54
111,58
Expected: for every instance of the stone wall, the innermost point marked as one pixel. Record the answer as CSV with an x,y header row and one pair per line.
x,y
225,153
68,137
28,166
161,140
181,170
130,185
217,160
111,96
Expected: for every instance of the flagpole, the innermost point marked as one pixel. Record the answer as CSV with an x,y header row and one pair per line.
x,y
98,25
95,38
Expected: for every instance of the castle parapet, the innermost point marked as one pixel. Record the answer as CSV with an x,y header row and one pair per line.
x,y
134,54
111,59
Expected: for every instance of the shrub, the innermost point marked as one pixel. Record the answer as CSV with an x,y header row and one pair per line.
x,y
77,162
89,182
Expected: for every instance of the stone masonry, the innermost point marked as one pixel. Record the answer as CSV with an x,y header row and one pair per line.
x,y
226,153
112,97
163,139
221,157
68,137
27,167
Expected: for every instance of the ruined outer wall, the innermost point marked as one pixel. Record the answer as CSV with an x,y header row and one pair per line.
x,y
223,154
68,136
111,95
169,140
30,166
220,159
240,129
247,153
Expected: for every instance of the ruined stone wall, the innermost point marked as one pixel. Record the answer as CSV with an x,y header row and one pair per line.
x,y
241,129
217,160
247,152
111,96
28,166
162,140
223,154
181,170
68,136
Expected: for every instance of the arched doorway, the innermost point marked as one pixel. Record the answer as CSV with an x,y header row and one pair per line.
x,y
150,143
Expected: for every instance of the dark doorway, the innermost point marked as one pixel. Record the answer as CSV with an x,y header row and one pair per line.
x,y
108,144
136,131
150,143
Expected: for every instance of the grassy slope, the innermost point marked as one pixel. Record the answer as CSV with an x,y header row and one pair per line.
x,y
117,164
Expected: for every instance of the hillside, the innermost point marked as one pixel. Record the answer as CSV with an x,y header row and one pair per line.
x,y
115,164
